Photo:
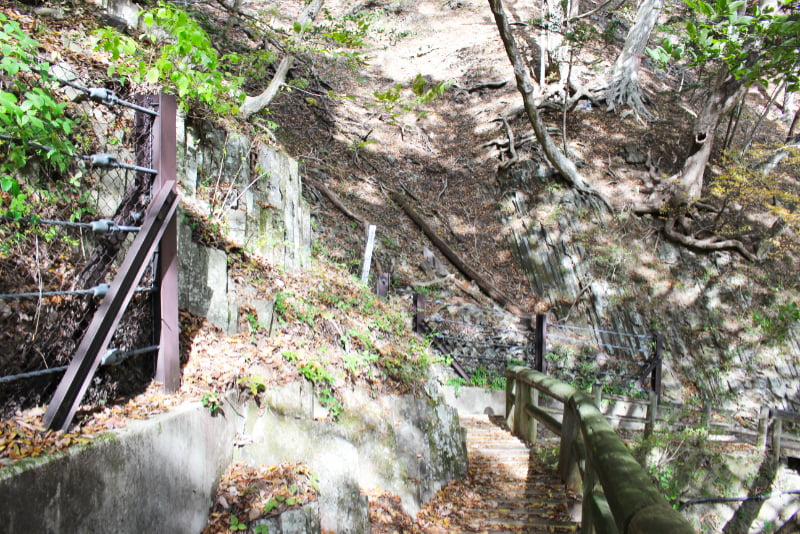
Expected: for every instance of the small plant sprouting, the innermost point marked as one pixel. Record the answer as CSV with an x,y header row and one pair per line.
x,y
213,402
236,525
255,384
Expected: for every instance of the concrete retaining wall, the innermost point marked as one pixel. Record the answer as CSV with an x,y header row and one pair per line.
x,y
154,476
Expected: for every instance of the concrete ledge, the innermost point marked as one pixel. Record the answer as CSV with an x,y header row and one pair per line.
x,y
153,476
474,400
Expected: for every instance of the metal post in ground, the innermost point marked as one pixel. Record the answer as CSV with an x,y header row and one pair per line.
x,y
541,343
168,327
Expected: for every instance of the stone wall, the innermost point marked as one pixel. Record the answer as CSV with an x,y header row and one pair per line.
x,y
253,191
154,476
406,445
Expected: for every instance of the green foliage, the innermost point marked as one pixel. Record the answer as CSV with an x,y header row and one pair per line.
x,y
776,322
280,306
393,102
213,402
759,45
315,372
256,384
186,62
252,320
34,125
743,190
236,525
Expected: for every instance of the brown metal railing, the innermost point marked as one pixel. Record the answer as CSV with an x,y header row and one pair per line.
x,y
157,233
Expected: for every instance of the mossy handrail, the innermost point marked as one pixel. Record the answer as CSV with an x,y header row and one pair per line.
x,y
618,495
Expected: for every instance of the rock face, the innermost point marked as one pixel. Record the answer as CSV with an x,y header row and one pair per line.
x,y
304,520
701,303
255,194
408,446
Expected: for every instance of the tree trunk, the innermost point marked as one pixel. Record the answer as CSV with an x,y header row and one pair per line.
x,y
623,84
558,159
254,104
720,102
487,287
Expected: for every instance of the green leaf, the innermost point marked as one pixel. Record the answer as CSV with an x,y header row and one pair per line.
x,y
153,75
8,184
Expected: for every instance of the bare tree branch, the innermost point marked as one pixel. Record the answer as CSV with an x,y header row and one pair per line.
x,y
526,87
254,104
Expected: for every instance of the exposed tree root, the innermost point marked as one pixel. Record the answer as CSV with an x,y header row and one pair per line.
x,y
713,243
254,104
624,90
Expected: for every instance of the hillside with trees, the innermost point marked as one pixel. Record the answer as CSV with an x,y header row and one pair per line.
x,y
666,131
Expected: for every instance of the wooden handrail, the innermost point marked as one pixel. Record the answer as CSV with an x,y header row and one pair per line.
x,y
619,495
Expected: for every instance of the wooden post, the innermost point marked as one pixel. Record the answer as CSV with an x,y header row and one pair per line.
x,y
541,343
368,254
706,419
777,432
383,285
534,430
567,460
763,425
419,313
589,481
652,413
510,400
597,391
520,428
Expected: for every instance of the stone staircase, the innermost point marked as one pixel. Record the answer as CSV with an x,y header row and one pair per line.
x,y
507,488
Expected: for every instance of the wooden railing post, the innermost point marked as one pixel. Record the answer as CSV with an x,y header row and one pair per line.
x,y
523,393
532,422
511,398
597,393
763,425
652,413
540,363
567,461
419,313
589,482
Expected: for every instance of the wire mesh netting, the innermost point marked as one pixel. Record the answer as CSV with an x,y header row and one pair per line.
x,y
584,357
486,340
480,338
63,247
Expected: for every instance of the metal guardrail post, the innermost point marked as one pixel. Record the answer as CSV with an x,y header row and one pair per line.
x,y
89,353
168,325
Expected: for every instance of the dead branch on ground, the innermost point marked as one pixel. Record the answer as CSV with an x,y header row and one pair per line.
x,y
334,198
487,287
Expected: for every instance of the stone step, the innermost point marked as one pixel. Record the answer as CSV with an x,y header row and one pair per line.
x,y
507,489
